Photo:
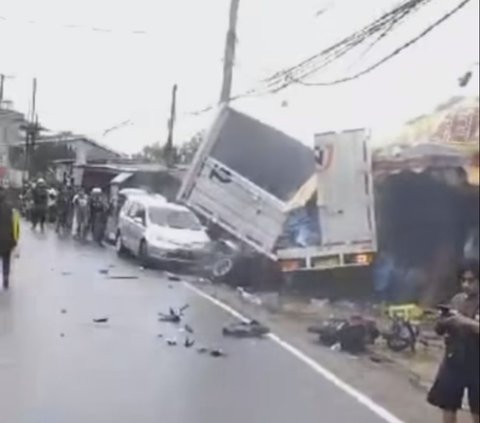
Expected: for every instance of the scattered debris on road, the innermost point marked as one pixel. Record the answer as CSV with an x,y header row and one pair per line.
x,y
248,297
173,278
189,343
101,320
189,329
173,316
63,311
252,329
123,277
217,353
104,271
172,342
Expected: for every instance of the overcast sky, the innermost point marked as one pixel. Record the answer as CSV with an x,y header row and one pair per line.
x,y
102,62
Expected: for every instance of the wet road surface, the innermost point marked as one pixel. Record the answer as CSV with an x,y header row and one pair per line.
x,y
57,366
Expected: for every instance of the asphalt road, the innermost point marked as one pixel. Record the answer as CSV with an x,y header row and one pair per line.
x,y
57,366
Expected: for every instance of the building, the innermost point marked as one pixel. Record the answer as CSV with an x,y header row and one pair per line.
x,y
10,134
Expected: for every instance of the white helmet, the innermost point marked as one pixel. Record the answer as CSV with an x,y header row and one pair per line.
x,y
96,190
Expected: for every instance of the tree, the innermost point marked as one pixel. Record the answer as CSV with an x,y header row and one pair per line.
x,y
153,153
187,151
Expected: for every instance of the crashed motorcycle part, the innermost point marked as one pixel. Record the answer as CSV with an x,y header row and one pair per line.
x,y
189,343
252,329
101,320
217,353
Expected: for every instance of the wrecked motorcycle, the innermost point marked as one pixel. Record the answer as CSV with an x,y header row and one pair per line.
x,y
353,335
402,334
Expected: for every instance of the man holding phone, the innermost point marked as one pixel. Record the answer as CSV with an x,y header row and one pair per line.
x,y
459,371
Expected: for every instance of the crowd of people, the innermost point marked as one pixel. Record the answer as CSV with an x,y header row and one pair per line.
x,y
70,209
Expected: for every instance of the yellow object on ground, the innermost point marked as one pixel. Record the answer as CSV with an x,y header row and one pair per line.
x,y
409,312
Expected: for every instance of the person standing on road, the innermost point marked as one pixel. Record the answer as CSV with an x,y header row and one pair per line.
x,y
40,204
63,206
459,371
9,234
80,214
98,209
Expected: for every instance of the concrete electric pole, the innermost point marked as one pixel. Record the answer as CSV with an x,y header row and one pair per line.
x,y
229,60
171,125
31,132
2,82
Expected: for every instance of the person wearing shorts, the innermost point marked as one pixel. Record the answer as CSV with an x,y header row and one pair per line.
x,y
459,371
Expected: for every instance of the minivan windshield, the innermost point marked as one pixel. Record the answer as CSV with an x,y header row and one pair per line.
x,y
177,219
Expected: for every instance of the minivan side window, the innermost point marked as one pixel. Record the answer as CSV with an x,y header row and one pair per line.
x,y
132,210
141,213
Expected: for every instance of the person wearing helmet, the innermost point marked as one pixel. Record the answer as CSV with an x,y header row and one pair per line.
x,y
40,204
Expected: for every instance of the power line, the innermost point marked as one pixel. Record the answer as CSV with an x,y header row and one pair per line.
x,y
386,23
72,27
286,77
396,52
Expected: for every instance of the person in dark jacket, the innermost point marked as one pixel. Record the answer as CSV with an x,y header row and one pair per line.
x,y
40,204
9,232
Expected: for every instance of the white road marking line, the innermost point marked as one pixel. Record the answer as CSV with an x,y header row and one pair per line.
x,y
367,402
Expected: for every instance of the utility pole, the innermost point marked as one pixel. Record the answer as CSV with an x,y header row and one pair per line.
x,y
31,131
171,125
229,60
2,82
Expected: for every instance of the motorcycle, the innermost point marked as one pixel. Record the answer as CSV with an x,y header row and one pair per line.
x,y
402,334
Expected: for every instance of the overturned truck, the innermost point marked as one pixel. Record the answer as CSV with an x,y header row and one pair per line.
x,y
256,183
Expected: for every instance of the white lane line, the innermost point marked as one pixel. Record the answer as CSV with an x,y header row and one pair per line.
x,y
367,402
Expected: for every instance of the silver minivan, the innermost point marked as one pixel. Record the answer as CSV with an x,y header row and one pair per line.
x,y
155,230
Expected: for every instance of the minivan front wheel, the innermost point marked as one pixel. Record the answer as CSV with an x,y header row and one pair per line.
x,y
119,245
143,255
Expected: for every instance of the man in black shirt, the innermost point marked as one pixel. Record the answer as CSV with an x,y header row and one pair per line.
x,y
459,371
40,204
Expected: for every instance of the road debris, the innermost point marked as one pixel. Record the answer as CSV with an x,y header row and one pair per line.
x,y
189,343
172,342
189,329
66,273
123,277
101,320
104,271
174,278
173,316
63,311
248,297
252,329
217,353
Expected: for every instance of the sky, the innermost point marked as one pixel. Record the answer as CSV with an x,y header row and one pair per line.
x,y
103,62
